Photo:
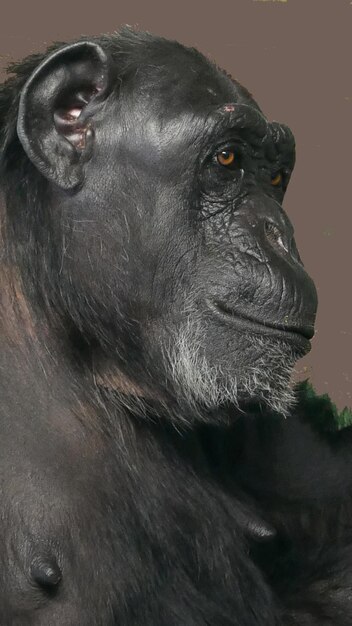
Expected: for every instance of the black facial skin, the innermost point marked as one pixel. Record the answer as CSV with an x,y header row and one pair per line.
x,y
236,259
152,305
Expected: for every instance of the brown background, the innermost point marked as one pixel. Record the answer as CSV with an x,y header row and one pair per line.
x,y
296,57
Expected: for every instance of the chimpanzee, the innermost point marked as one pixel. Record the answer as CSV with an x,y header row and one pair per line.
x,y
158,466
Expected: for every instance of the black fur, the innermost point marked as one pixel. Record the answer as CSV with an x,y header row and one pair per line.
x,y
151,298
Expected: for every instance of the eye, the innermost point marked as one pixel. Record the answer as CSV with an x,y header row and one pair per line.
x,y
226,158
276,180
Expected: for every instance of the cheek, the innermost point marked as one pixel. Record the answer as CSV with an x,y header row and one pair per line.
x,y
226,346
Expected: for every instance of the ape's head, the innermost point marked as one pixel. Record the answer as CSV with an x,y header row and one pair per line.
x,y
144,191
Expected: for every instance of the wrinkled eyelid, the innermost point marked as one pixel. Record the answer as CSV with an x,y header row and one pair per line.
x,y
277,179
227,147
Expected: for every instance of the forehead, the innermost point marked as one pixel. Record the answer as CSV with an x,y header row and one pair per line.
x,y
174,80
174,100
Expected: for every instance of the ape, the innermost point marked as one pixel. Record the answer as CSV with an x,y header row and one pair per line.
x,y
153,304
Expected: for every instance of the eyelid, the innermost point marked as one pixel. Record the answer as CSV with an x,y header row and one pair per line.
x,y
285,175
277,178
228,147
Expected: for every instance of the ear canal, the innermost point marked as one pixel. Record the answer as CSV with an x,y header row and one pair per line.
x,y
56,111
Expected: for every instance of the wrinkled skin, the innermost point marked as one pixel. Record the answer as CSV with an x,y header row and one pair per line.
x,y
153,304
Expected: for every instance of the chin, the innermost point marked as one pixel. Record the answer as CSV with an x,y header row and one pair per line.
x,y
207,376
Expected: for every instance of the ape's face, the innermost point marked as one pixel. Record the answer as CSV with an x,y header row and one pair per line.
x,y
169,183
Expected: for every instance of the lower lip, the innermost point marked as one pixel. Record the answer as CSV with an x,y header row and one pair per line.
x,y
258,328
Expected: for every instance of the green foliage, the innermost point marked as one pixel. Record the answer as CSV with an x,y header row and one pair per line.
x,y
345,418
321,410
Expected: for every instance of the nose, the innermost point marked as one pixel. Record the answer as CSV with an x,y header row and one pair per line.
x,y
280,237
272,226
275,227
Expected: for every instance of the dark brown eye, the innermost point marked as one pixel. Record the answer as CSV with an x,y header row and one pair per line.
x,y
226,157
276,180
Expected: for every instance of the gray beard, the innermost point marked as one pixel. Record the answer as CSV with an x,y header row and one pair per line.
x,y
197,383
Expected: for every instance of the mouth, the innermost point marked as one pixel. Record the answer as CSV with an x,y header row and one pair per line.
x,y
299,334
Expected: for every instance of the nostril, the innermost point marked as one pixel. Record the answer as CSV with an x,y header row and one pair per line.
x,y
274,236
280,240
294,251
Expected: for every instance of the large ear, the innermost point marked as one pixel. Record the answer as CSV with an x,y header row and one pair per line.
x,y
56,111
